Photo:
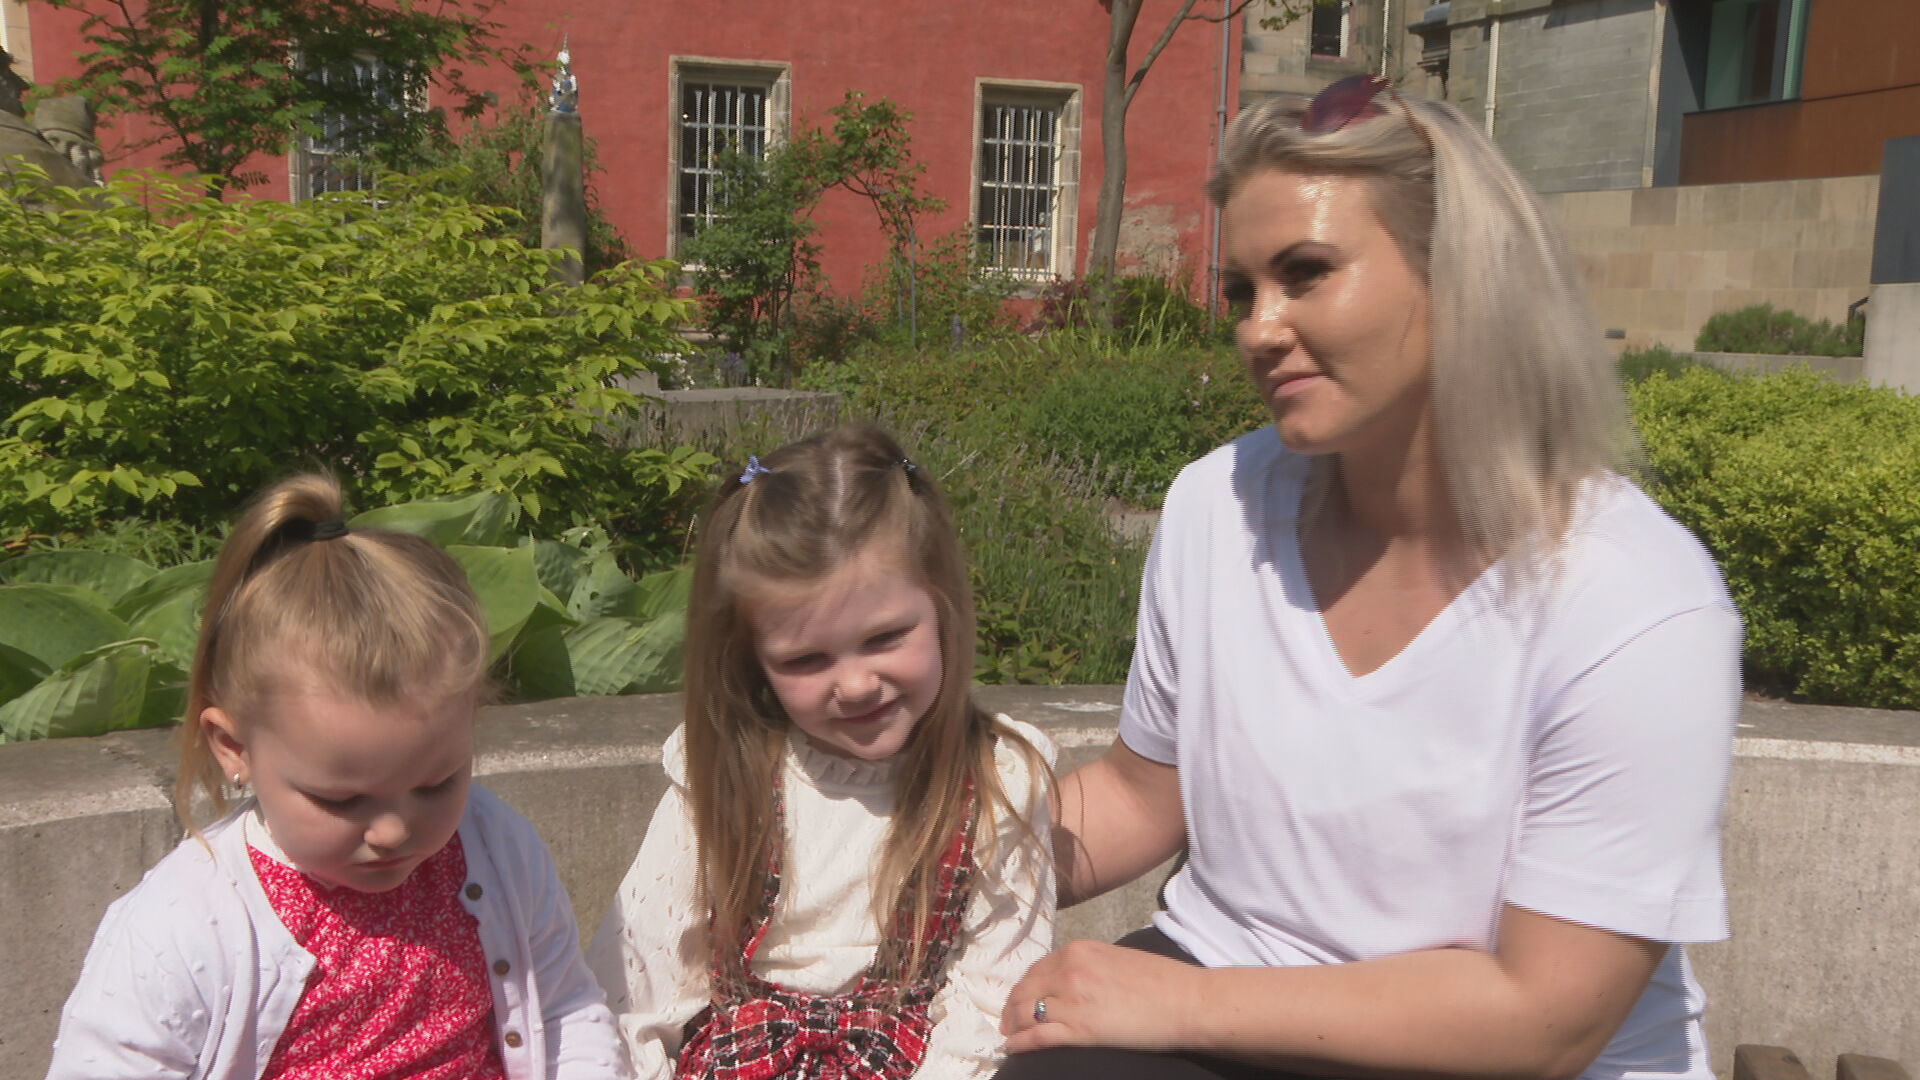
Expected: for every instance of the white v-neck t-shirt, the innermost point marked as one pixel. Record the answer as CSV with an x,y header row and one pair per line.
x,y
1567,753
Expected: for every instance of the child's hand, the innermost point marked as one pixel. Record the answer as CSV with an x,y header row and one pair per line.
x,y
1089,993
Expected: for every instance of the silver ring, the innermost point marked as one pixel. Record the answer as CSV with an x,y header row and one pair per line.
x,y
1040,1010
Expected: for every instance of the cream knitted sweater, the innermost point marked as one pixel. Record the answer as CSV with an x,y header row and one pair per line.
x,y
651,952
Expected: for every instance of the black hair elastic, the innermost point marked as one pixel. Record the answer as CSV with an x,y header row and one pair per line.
x,y
913,474
330,529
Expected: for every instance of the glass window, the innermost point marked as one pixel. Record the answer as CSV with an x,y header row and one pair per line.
x,y
1754,50
1327,32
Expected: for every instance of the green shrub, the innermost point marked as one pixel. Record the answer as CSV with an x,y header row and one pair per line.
x,y
1761,329
938,296
168,354
1055,585
1808,493
1147,311
1128,417
1637,364
92,642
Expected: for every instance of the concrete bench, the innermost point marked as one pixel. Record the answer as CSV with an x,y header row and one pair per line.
x,y
1752,1062
1823,830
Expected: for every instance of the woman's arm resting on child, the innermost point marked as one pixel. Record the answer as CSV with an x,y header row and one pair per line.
x,y
1118,818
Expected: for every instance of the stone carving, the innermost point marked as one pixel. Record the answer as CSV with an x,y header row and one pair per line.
x,y
67,123
73,160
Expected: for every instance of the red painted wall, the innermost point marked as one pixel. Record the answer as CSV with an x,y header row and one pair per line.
x,y
926,57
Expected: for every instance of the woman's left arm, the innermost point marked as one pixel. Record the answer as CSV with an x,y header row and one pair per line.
x,y
1542,1006
1618,856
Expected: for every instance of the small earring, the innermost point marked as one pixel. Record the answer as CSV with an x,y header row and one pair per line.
x,y
236,780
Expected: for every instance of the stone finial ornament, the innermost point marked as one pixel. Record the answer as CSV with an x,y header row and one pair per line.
x,y
566,89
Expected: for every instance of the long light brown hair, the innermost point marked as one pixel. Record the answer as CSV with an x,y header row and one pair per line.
x,y
1527,404
819,503
380,615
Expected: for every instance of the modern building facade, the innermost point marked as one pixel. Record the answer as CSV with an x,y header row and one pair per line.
x,y
1596,94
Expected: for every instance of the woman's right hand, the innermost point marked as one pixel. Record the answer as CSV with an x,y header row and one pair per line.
x,y
1116,819
1096,994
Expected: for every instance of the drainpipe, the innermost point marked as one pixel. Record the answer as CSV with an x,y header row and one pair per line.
x,y
1493,67
1386,34
1219,133
1659,50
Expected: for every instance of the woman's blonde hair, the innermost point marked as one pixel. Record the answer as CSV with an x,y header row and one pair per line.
x,y
379,615
1527,403
819,503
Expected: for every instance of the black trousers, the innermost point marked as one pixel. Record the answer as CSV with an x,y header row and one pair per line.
x,y
1105,1063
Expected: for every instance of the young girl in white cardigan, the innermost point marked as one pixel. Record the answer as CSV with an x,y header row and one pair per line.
x,y
847,872
365,912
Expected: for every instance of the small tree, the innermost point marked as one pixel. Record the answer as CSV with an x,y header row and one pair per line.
x,y
1121,84
755,257
224,80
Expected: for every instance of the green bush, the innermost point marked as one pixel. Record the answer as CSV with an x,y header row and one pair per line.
x,y
1637,364
1761,329
167,354
92,642
1129,417
1055,585
1146,311
1808,493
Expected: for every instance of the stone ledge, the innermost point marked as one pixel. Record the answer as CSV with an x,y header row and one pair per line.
x,y
1843,368
1824,821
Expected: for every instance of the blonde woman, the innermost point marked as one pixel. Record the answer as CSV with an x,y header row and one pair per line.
x,y
1439,704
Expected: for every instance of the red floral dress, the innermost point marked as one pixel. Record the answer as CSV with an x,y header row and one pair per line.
x,y
400,986
759,1030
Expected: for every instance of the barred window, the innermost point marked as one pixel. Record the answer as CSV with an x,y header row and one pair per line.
x,y
1017,222
715,117
328,161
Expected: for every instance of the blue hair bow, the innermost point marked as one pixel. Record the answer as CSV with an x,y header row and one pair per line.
x,y
753,469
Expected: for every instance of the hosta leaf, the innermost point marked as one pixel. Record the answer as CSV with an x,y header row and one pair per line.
x,y
540,665
100,690
165,588
619,655
53,623
18,673
557,565
659,594
508,588
485,519
111,576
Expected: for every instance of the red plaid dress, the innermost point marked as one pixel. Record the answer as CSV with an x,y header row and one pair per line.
x,y
759,1030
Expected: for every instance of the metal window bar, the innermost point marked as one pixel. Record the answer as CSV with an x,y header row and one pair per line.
x,y
330,162
1019,188
715,118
